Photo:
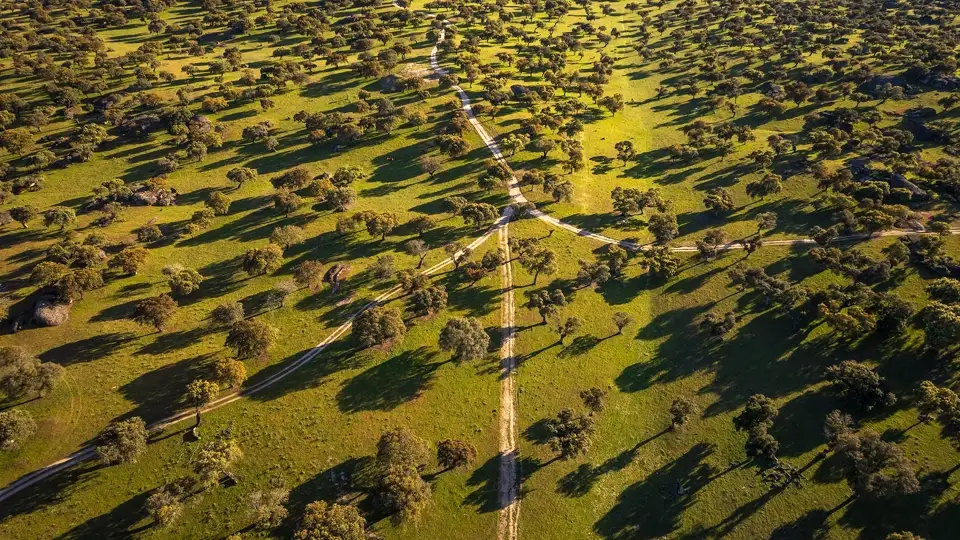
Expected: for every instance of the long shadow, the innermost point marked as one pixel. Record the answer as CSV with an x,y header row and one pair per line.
x,y
168,342
537,432
116,523
340,355
744,512
88,349
50,491
902,512
116,312
485,495
581,480
677,356
158,393
580,346
813,524
477,301
347,480
390,384
652,507
799,423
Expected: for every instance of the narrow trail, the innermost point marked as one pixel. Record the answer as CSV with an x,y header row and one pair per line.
x,y
509,482
517,196
509,489
88,452
508,472
509,479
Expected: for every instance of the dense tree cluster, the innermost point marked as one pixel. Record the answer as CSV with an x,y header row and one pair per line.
x,y
401,491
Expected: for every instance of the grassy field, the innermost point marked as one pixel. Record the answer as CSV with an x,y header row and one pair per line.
x,y
641,480
653,124
339,404
316,430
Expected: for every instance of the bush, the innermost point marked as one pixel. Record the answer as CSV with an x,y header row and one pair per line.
x,y
229,372
122,442
325,521
16,428
378,325
251,338
148,233
227,313
219,203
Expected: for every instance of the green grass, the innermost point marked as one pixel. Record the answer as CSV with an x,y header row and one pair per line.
x,y
627,486
314,429
652,125
330,412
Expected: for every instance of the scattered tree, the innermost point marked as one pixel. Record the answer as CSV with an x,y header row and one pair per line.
x,y
251,338
16,428
454,454
378,325
465,338
156,312
569,433
122,442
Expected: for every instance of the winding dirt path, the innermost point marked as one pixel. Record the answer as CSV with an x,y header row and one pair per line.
x,y
509,488
517,196
508,470
88,452
509,481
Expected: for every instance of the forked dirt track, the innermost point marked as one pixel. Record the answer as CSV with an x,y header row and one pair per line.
x,y
88,452
509,489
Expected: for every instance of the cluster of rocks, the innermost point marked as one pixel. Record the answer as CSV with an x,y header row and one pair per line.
x,y
335,275
863,172
146,194
47,310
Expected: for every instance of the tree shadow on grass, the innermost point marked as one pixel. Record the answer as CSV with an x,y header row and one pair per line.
x,y
88,349
788,363
745,512
581,480
117,312
677,356
389,384
259,302
345,482
346,305
537,432
943,522
49,491
580,346
157,394
475,300
132,288
219,279
902,512
256,225
168,342
652,507
338,356
27,255
693,283
812,525
116,523
197,196
617,292
22,237
485,479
